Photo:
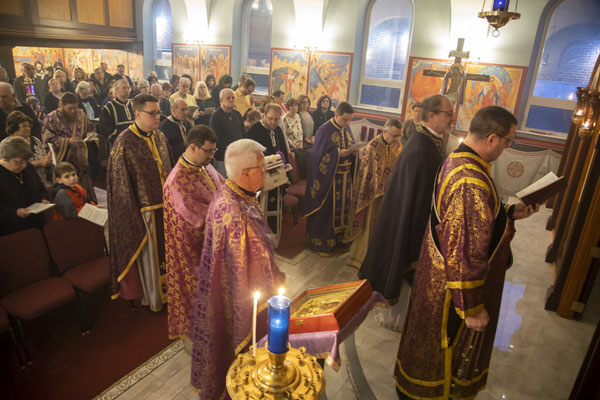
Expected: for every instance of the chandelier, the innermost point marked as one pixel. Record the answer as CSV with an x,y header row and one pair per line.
x,y
499,16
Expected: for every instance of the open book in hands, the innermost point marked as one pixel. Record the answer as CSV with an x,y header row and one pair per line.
x,y
93,214
542,189
37,208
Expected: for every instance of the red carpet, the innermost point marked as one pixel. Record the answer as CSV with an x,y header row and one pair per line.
x,y
69,366
293,238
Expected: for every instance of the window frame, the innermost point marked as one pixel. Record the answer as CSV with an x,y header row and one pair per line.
x,y
544,101
381,82
155,60
245,68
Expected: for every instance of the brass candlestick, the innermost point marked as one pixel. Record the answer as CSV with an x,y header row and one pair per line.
x,y
291,375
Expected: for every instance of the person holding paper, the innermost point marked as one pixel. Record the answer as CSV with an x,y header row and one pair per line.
x,y
238,259
376,166
70,133
329,179
449,333
69,196
20,187
188,191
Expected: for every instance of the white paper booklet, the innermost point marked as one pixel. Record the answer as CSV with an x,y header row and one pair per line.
x,y
37,208
358,146
544,181
94,214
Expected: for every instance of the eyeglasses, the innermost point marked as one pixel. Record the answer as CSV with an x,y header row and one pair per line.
x,y
509,141
153,114
209,151
448,113
263,167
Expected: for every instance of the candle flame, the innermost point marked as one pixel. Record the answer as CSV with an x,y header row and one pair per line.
x,y
281,291
460,140
256,295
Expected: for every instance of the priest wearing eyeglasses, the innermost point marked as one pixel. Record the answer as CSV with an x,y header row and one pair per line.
x,y
138,166
187,193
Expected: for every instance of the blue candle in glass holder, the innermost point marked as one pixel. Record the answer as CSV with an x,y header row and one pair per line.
x,y
279,324
500,5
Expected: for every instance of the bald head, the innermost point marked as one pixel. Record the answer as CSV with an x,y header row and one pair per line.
x,y
156,90
179,109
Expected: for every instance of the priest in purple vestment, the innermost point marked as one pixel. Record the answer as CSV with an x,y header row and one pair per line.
x,y
329,183
237,260
455,301
138,166
186,195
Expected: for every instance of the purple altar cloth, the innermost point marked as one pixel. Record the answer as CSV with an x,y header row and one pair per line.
x,y
326,344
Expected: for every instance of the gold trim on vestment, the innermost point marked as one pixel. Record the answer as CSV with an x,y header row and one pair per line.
x,y
467,154
470,381
151,208
133,258
451,174
418,381
470,312
151,142
465,284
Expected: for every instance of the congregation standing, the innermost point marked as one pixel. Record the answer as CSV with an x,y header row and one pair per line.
x,y
184,164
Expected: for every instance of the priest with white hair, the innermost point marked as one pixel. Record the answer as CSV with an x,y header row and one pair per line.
x,y
237,260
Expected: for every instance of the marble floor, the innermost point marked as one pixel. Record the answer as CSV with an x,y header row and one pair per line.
x,y
537,354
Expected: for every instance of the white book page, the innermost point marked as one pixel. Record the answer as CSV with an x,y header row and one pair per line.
x,y
544,181
37,208
358,146
53,153
94,214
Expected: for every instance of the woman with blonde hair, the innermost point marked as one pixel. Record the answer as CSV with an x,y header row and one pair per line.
x,y
206,104
79,75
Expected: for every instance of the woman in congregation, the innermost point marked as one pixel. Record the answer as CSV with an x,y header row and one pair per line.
x,y
20,187
53,96
86,101
323,112
65,84
204,102
307,121
225,81
19,125
79,75
211,82
292,129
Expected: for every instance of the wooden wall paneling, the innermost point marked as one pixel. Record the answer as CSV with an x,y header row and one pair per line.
x,y
11,7
574,178
120,13
564,168
91,12
578,258
54,9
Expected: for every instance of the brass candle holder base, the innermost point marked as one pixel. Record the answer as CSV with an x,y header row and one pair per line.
x,y
291,375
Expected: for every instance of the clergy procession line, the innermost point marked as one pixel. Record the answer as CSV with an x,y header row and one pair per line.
x,y
189,225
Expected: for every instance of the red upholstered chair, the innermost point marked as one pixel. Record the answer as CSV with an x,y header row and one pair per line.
x,y
27,289
5,326
78,248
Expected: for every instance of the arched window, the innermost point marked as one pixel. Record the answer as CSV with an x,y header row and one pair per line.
x,y
257,42
386,56
570,48
162,39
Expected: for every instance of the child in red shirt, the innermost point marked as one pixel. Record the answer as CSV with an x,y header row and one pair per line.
x,y
69,196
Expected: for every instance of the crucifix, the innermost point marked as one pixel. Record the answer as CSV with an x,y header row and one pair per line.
x,y
456,75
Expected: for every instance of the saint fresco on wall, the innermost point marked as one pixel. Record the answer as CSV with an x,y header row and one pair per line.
x,y
186,60
502,90
111,57
82,58
135,62
45,55
215,60
421,86
329,73
289,72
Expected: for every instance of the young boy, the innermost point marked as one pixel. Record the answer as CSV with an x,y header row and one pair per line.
x,y
69,197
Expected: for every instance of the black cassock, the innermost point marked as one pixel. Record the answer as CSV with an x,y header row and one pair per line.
x,y
396,239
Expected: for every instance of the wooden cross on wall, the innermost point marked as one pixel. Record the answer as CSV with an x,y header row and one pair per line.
x,y
456,74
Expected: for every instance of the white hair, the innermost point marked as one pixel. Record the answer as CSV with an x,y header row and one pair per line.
x,y
185,79
120,82
142,83
242,154
223,92
7,85
82,85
